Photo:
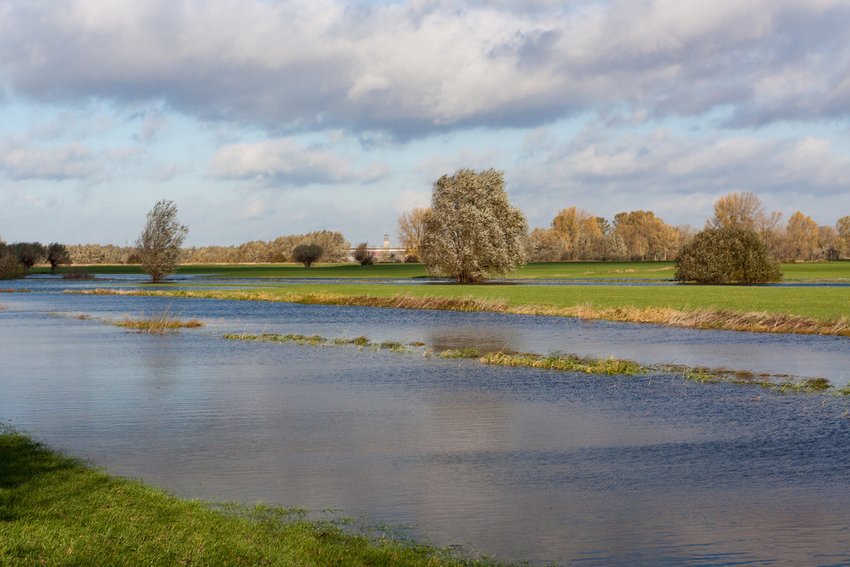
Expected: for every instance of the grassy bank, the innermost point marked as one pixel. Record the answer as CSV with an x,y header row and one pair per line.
x,y
57,511
814,271
801,310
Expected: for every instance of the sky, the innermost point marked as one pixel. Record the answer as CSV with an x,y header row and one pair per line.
x,y
260,118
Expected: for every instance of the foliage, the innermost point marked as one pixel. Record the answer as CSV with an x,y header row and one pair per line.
x,y
472,231
10,266
307,253
732,254
737,209
159,243
645,236
28,253
842,229
57,254
411,230
363,255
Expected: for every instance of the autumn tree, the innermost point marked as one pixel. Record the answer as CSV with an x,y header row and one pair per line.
x,y
472,231
307,253
646,237
57,254
737,209
158,246
842,228
801,237
411,230
730,254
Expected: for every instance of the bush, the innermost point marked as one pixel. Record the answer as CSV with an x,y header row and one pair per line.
x,y
10,266
362,255
307,254
726,255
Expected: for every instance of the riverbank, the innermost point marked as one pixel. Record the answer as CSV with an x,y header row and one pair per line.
x,y
801,310
57,510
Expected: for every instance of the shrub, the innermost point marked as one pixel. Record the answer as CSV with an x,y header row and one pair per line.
x,y
10,266
362,255
307,254
731,254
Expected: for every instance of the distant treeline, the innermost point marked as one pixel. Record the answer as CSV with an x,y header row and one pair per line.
x,y
333,244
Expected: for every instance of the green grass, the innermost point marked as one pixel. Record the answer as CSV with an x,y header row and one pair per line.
x,y
819,303
813,271
55,510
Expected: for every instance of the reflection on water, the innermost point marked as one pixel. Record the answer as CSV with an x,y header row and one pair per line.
x,y
520,463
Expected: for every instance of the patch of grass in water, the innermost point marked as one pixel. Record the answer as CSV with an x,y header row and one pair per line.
x,y
566,362
460,353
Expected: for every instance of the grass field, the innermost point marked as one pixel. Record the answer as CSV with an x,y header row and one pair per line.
x,y
814,271
57,511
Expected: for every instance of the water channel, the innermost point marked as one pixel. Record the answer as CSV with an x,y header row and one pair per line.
x,y
517,463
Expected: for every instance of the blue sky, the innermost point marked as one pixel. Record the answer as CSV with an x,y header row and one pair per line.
x,y
264,117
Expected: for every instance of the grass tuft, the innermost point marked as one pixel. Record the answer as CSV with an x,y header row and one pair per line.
x,y
461,353
566,362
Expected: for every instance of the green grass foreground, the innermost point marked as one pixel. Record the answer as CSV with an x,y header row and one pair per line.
x,y
808,271
55,510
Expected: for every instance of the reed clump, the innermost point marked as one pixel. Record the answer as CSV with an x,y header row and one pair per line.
x,y
161,325
461,353
566,362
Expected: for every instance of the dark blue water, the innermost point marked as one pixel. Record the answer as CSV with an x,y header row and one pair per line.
x,y
520,463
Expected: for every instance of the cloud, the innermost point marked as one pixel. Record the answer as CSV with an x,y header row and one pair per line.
x,y
418,67
21,160
284,161
681,176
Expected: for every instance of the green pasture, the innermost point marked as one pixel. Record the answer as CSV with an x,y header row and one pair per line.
x,y
55,510
823,303
811,271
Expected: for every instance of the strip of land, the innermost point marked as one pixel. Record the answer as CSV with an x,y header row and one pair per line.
x,y
567,362
803,310
56,510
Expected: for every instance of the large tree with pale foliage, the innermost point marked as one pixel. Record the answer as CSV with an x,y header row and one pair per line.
x,y
472,232
159,243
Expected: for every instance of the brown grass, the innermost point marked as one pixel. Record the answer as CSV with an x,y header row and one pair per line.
x,y
156,326
13,290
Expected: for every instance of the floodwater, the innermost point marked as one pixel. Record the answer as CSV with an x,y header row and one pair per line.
x,y
518,463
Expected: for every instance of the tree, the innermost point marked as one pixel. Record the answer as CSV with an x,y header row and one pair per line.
x,y
731,254
57,254
28,253
842,227
159,243
737,209
801,237
472,231
544,245
10,266
646,236
363,255
411,230
307,253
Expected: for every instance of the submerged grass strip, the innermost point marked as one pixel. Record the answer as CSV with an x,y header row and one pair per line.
x,y
162,324
698,318
566,362
56,510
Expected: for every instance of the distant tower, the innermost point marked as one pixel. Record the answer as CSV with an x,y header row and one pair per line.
x,y
386,241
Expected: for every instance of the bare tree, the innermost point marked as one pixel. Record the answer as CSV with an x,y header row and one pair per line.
x,y
159,243
411,230
472,231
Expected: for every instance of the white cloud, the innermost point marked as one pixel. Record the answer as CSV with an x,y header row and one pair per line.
x,y
420,66
22,160
284,161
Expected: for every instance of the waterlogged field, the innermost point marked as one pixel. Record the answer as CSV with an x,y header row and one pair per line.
x,y
518,462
